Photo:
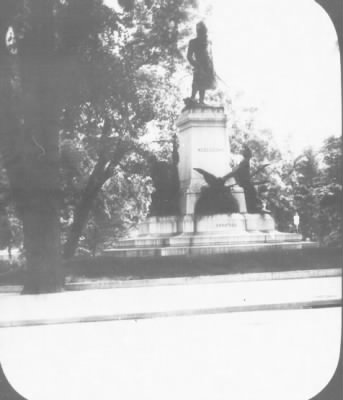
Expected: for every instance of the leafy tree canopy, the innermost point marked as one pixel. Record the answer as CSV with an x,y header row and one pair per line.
x,y
79,74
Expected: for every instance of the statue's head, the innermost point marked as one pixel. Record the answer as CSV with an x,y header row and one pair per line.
x,y
246,153
201,29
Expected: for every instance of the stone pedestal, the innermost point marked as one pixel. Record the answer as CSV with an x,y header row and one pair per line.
x,y
238,194
203,143
208,234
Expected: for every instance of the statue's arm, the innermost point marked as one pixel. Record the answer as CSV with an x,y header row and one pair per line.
x,y
190,54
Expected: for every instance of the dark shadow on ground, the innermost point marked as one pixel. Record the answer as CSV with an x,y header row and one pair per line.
x,y
184,266
221,264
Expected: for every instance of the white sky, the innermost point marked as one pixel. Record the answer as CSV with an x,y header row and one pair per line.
x,y
283,55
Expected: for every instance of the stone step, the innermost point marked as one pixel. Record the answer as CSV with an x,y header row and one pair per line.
x,y
219,224
206,239
145,241
207,249
229,239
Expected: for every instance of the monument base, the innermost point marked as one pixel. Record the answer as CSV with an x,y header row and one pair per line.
x,y
201,235
204,151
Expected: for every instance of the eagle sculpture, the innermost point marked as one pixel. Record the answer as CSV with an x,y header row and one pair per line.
x,y
217,198
212,180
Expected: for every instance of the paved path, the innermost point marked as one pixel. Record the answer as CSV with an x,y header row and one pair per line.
x,y
174,297
175,341
279,354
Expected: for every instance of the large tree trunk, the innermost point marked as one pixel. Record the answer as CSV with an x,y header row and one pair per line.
x,y
38,197
34,179
30,147
33,174
40,217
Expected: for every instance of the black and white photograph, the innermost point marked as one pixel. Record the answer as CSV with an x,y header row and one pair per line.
x,y
171,199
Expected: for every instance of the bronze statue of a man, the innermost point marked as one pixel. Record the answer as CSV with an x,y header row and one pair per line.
x,y
200,57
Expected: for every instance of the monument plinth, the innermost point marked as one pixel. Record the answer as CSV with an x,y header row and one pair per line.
x,y
204,145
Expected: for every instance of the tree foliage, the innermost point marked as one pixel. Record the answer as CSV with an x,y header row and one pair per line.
x,y
63,62
309,184
136,89
81,87
329,192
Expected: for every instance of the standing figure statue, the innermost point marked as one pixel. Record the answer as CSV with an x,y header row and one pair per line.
x,y
200,57
243,177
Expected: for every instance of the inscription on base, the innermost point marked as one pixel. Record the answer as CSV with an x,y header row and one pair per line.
x,y
227,225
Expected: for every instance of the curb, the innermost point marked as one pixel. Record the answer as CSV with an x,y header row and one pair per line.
x,y
175,313
247,277
129,283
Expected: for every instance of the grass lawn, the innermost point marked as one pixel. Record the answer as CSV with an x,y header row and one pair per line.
x,y
163,267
